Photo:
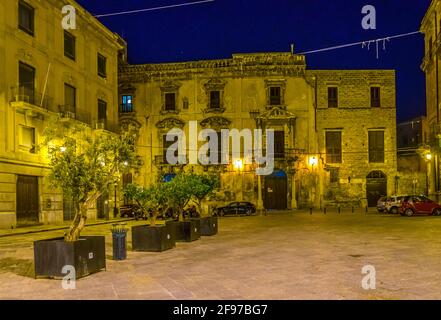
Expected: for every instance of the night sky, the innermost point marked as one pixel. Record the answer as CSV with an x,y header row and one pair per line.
x,y
218,29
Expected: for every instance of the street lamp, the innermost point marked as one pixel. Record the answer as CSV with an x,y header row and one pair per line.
x,y
313,161
428,156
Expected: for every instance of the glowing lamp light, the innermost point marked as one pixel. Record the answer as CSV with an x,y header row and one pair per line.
x,y
63,149
238,164
313,161
126,163
429,156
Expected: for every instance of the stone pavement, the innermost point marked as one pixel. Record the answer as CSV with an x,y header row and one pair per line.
x,y
292,255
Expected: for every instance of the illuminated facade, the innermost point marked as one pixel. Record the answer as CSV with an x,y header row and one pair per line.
x,y
335,130
48,72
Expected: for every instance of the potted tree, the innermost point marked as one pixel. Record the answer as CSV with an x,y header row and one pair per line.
x,y
179,195
82,165
153,201
202,186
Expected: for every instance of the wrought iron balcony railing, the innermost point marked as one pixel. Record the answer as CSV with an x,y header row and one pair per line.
x,y
32,97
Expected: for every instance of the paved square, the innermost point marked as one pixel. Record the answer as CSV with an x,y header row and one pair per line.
x,y
279,256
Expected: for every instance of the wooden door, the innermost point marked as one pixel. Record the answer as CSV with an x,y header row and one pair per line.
x,y
27,200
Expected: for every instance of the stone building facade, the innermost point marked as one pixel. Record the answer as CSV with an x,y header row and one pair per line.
x,y
335,130
48,72
431,28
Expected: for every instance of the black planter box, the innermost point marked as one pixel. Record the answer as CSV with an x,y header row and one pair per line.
x,y
153,238
209,226
87,256
187,230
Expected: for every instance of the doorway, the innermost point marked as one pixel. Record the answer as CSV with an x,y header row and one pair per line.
x,y
376,187
276,191
27,200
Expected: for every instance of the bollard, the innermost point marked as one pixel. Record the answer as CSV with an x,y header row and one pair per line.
x,y
324,210
119,237
310,211
366,209
352,209
339,209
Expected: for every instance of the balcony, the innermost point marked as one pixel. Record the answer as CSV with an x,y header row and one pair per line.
x,y
105,125
70,113
28,100
126,109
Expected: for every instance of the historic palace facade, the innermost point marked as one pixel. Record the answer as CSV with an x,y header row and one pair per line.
x,y
48,72
335,130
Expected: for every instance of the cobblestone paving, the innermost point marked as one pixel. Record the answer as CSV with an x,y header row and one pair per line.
x,y
279,256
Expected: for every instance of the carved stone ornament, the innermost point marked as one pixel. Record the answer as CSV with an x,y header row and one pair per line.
x,y
215,123
170,123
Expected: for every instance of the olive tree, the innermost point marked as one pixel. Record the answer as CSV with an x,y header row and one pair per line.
x,y
202,185
83,163
153,197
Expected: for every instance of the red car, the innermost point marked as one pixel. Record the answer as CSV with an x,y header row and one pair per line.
x,y
419,205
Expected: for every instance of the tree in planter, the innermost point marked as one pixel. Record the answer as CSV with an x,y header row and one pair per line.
x,y
180,192
153,197
83,164
202,186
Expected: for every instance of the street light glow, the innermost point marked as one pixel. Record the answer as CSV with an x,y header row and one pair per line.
x,y
238,164
429,156
313,161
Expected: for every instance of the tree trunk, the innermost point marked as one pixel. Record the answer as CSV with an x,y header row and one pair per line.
x,y
79,221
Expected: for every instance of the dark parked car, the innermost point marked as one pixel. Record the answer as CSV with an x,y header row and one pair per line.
x,y
416,205
132,211
236,208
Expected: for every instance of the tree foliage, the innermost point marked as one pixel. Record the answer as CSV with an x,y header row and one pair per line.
x,y
83,163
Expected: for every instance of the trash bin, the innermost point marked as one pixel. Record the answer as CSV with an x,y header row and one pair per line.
x,y
119,237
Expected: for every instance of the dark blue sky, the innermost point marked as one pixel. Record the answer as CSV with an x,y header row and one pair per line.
x,y
220,28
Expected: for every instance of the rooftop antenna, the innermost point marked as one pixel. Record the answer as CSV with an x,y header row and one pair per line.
x,y
292,48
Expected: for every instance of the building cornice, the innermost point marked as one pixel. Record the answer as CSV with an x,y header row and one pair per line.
x,y
259,64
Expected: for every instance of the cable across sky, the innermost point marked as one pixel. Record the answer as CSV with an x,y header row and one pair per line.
x,y
152,9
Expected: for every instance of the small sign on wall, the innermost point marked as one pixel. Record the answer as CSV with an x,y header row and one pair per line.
x,y
48,203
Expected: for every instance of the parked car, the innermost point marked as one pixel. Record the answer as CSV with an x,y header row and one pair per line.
x,y
417,205
236,208
381,204
132,211
393,204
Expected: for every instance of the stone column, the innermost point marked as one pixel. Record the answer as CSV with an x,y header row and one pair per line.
x,y
293,192
259,193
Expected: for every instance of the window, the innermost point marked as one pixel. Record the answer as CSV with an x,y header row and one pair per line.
x,y
26,80
279,144
27,139
215,100
102,110
26,17
275,96
126,105
333,147
376,146
218,152
375,97
70,99
170,101
165,145
332,97
102,69
69,45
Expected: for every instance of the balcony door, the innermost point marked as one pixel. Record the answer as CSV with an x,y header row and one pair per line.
x,y
26,83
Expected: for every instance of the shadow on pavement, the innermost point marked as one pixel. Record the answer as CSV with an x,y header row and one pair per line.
x,y
21,267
